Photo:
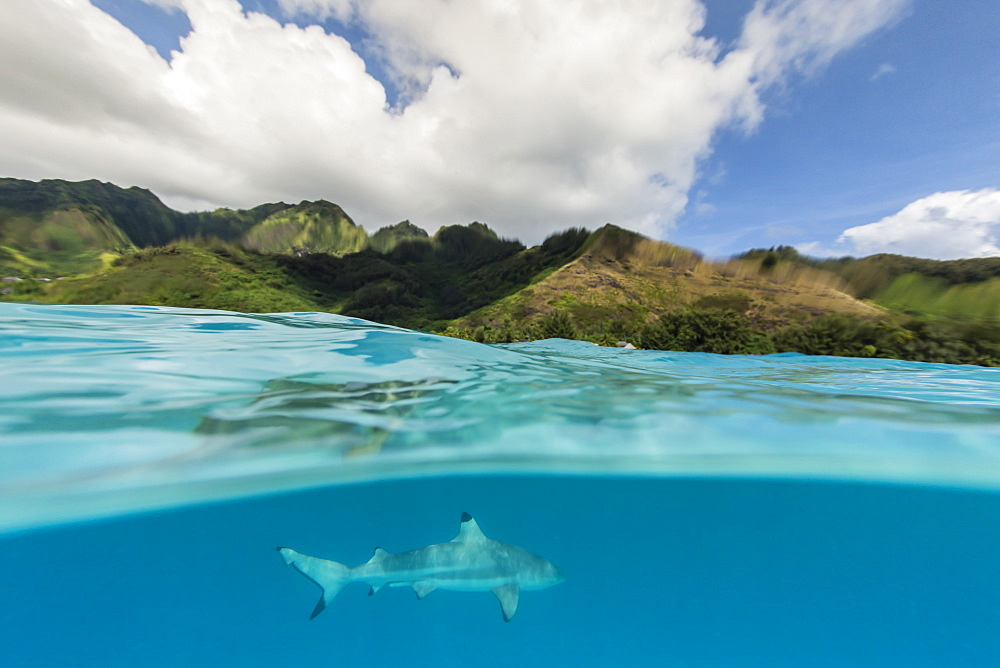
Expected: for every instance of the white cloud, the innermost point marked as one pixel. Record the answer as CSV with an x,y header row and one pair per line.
x,y
943,226
805,35
318,9
528,116
884,69
167,5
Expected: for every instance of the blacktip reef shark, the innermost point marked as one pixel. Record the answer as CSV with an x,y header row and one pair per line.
x,y
470,562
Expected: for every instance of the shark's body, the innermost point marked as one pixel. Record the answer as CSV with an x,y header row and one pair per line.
x,y
470,562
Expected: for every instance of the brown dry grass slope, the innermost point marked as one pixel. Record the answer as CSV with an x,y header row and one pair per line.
x,y
624,276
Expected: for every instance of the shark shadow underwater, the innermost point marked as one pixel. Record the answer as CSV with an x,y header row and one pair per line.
x,y
470,562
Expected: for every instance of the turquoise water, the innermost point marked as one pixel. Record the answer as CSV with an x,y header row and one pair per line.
x,y
707,509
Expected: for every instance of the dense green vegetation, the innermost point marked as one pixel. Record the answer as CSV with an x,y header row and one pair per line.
x,y
729,332
425,283
215,275
124,246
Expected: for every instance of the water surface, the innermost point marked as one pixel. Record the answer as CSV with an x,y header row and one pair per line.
x,y
105,409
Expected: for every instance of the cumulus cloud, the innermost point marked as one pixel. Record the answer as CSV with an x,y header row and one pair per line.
x,y
944,226
528,116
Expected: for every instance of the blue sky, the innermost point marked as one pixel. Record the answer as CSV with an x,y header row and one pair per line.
x,y
855,143
838,126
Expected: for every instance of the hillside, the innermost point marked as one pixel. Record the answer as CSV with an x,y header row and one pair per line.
x,y
74,239
630,280
213,275
422,283
959,289
607,283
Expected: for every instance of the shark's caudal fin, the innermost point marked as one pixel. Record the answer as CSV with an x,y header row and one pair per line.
x,y
330,576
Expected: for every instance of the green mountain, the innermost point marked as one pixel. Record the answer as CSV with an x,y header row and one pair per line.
x,y
387,238
309,227
140,216
604,286
74,239
60,227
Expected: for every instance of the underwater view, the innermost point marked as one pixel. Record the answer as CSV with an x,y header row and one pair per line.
x,y
632,507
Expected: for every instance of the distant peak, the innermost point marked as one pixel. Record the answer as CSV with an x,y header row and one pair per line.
x,y
404,227
319,204
475,227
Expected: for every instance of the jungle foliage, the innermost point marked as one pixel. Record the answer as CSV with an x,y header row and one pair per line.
x,y
425,283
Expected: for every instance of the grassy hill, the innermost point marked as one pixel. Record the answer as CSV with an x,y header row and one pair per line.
x,y
966,289
215,275
621,281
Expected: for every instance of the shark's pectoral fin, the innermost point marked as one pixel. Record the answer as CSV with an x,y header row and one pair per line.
x,y
373,590
508,600
422,589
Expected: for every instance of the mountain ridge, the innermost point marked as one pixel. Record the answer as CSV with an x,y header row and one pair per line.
x,y
605,286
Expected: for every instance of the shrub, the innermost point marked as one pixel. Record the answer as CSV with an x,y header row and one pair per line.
x,y
700,330
838,335
556,325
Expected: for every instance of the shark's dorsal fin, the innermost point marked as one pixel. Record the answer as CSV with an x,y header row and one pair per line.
x,y
508,595
469,531
379,555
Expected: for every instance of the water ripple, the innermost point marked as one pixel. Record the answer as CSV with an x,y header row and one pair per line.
x,y
107,409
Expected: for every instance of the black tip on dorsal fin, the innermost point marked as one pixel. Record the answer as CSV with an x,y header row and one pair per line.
x,y
466,517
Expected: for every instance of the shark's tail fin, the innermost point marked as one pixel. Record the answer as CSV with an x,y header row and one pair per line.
x,y
329,575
